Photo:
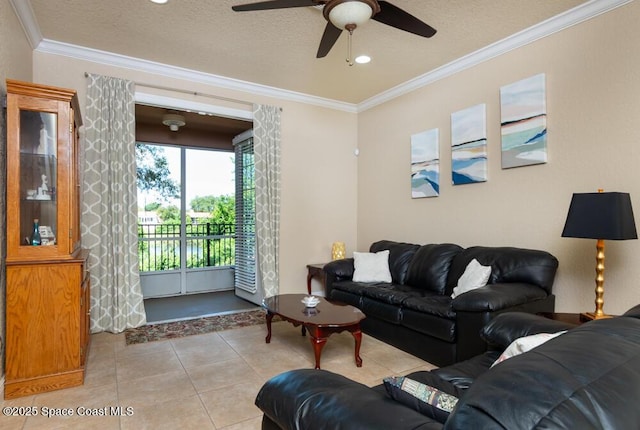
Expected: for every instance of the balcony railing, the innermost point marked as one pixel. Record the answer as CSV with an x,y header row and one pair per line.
x,y
205,245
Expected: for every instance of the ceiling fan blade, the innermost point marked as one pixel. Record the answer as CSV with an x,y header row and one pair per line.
x,y
273,4
329,38
398,18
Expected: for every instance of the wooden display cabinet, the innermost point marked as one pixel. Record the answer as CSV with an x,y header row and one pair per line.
x,y
47,294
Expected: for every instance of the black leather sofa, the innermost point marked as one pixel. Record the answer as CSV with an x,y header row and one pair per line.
x,y
415,312
587,378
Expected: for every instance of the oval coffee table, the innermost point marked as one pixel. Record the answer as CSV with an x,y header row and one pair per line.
x,y
321,321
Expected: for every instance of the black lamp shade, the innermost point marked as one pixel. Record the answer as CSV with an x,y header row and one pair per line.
x,y
600,216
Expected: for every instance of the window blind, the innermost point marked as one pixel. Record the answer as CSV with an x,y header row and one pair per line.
x,y
245,276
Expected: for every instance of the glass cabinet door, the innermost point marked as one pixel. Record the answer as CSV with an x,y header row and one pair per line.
x,y
42,187
38,178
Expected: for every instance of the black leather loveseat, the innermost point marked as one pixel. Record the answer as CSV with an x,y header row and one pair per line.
x,y
587,378
415,312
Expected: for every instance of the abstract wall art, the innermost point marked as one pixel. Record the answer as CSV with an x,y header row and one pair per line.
x,y
524,122
425,164
469,145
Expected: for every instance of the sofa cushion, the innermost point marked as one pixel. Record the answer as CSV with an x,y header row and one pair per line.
x,y
426,399
371,266
508,265
393,294
430,265
384,311
431,304
475,276
349,298
463,374
438,327
400,255
349,286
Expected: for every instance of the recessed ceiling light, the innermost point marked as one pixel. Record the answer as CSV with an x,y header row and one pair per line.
x,y
159,1
363,59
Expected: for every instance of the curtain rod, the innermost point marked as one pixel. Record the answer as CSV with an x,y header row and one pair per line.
x,y
193,93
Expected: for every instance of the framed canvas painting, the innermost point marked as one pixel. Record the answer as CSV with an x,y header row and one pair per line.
x,y
425,164
523,118
469,145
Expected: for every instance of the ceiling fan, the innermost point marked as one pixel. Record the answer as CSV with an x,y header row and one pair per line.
x,y
348,15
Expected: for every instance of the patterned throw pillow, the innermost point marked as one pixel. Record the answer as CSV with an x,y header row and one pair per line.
x,y
423,398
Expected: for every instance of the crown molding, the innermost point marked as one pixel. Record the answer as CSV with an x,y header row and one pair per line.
x,y
28,21
581,13
102,57
553,25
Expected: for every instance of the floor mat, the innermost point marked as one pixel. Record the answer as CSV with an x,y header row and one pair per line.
x,y
175,329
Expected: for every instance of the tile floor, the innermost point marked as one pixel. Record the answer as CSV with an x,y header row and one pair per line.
x,y
199,382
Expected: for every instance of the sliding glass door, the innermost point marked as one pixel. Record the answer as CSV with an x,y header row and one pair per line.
x,y
186,222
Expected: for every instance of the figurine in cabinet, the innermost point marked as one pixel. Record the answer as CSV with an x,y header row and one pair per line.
x,y
43,189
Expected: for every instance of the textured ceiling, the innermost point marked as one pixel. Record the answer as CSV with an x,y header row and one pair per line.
x,y
277,48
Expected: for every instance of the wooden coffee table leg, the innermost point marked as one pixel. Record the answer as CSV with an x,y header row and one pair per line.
x,y
357,335
318,344
269,318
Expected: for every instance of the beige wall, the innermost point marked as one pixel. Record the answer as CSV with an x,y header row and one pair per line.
x,y
318,166
15,63
15,51
593,106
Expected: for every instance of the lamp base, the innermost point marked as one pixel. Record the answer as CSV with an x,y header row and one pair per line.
x,y
588,316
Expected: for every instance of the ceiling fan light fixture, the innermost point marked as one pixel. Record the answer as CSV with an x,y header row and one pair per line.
x,y
173,121
363,59
348,14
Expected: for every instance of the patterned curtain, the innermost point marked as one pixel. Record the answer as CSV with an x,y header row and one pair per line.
x,y
3,217
266,150
109,207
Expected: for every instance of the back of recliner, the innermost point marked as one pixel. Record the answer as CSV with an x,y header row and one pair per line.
x,y
587,378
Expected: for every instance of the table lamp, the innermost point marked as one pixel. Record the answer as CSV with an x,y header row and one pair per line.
x,y
338,251
600,216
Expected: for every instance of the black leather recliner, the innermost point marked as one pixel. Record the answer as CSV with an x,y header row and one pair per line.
x,y
587,378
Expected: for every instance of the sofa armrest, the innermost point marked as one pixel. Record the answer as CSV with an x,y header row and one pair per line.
x,y
496,297
337,270
509,326
309,398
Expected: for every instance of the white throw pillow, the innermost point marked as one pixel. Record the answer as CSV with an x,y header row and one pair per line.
x,y
370,267
524,344
475,276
